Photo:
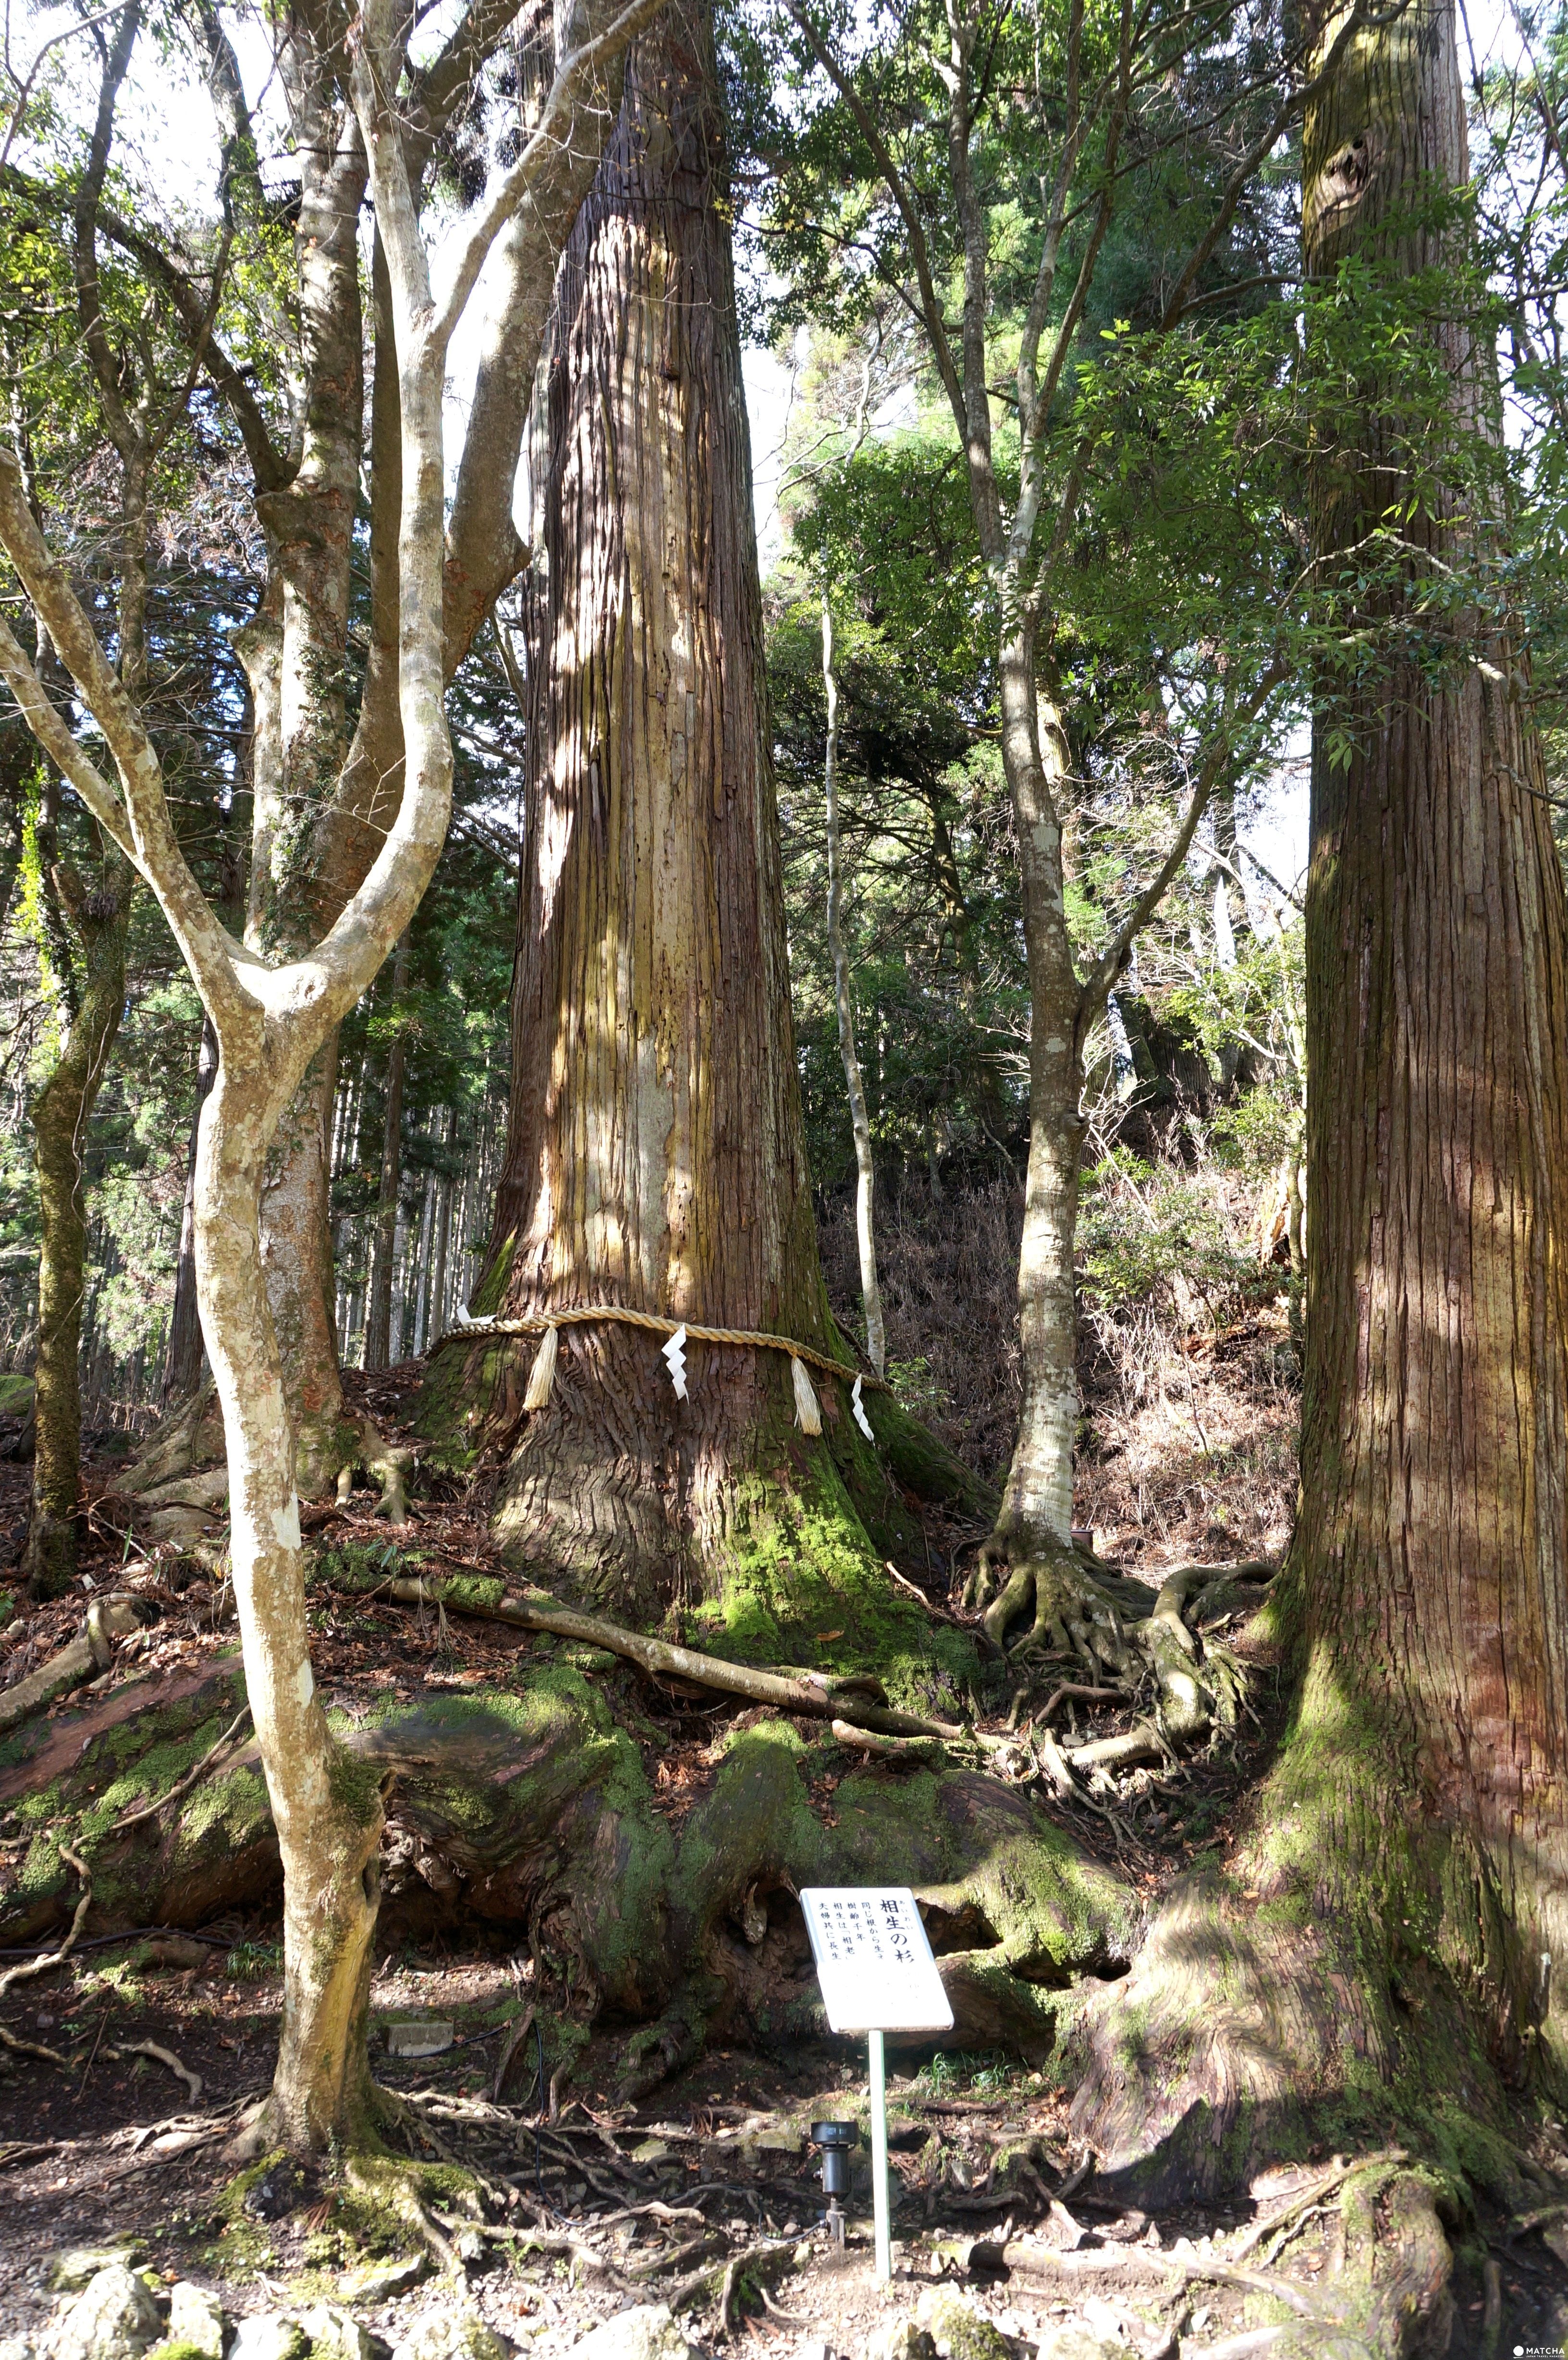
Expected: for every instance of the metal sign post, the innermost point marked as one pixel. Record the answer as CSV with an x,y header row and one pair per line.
x,y
881,2208
878,1976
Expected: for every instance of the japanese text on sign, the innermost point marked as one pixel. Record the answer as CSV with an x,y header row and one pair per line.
x,y
873,1960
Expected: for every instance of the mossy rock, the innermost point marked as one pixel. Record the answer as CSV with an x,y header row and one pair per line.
x,y
958,2329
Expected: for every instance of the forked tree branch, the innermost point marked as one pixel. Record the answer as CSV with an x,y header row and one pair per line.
x,y
573,76
1102,977
48,728
313,992
212,954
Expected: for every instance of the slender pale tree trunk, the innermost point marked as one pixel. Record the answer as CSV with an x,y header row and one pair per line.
x,y
384,1260
1388,1954
854,1088
326,1809
299,753
442,1234
1027,1565
1020,529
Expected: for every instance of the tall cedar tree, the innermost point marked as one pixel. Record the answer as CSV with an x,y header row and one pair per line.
x,y
657,1157
1389,1939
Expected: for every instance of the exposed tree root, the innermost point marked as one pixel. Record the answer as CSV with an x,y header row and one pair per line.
x,y
1384,2295
803,1693
536,1809
403,2189
51,1958
180,1479
108,1619
1386,2299
38,2049
182,1786
1122,1639
1391,2298
160,2057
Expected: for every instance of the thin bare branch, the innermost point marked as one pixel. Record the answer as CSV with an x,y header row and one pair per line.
x,y
1103,976
573,76
212,956
49,728
929,306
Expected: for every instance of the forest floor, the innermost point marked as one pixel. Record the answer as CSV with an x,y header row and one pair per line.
x,y
704,2198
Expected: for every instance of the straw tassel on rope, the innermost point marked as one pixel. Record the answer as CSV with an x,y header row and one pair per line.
x,y
678,1335
807,1414
541,1376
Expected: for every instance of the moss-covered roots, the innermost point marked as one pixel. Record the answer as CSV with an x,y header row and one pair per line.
x,y
1073,1606
382,2203
181,1481
1348,1980
536,1807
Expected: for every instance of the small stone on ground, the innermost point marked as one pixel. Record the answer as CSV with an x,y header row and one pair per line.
x,y
114,2318
647,2332
266,2335
447,2334
196,2317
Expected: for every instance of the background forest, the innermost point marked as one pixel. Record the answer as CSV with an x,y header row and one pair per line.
x,y
1194,1108
1190,1232
850,1161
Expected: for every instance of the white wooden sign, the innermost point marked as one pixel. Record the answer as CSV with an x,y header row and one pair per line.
x,y
873,1960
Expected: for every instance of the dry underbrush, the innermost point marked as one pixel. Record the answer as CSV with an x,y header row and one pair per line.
x,y
1188,1374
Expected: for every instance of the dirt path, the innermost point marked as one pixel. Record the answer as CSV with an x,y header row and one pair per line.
x,y
994,2206
723,2160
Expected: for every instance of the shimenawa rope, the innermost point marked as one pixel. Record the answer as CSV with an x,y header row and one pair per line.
x,y
547,1325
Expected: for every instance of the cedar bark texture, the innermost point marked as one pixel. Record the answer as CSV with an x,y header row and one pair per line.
x,y
1385,1947
1434,1537
656,1155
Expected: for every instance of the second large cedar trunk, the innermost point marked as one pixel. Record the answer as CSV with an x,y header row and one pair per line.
x,y
1434,1536
656,1157
1385,1950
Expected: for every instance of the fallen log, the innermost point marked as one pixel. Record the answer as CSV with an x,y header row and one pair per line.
x,y
90,1652
786,1695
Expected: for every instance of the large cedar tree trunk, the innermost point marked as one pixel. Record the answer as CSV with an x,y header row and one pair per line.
x,y
656,1157
1389,1945
1434,1537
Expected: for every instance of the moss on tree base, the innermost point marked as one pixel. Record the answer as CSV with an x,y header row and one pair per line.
x,y
1343,1983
